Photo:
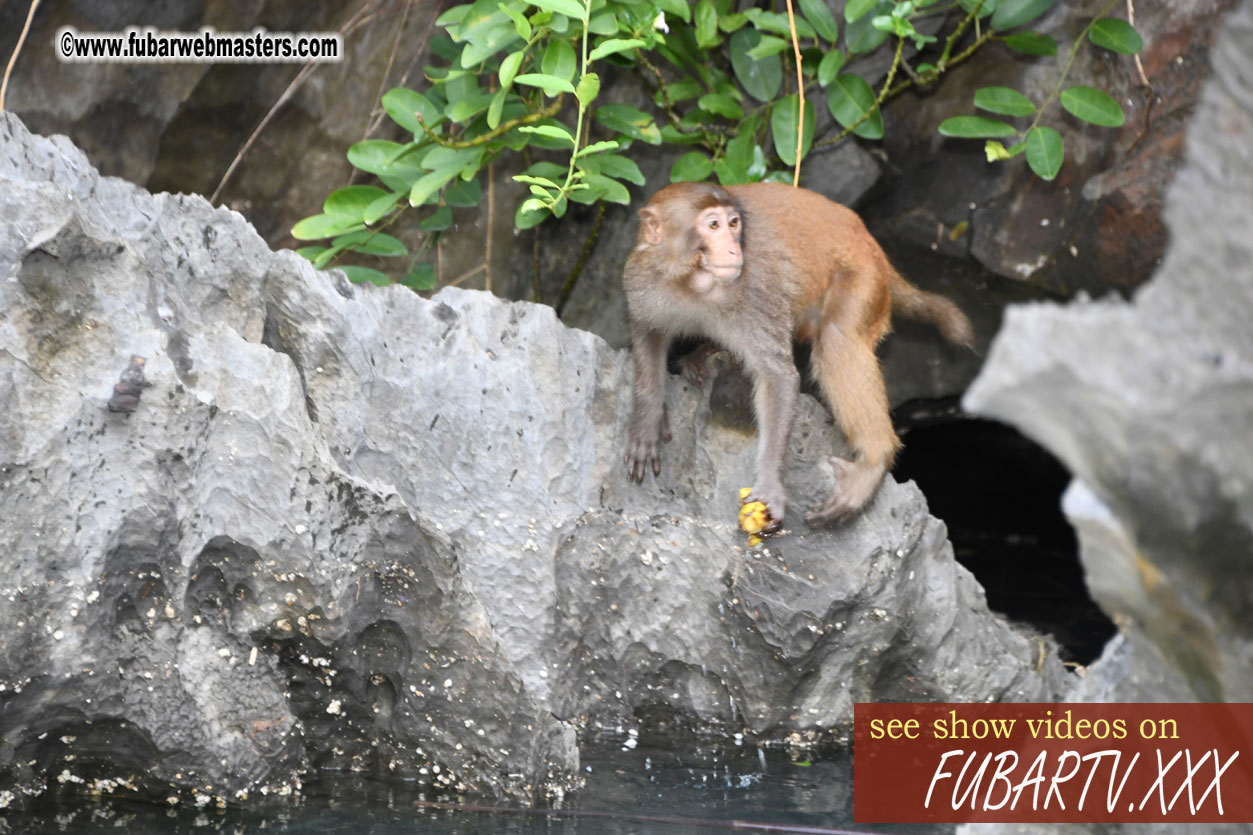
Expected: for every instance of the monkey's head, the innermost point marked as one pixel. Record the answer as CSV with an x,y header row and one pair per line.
x,y
698,227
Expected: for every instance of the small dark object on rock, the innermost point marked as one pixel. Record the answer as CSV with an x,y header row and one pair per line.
x,y
128,388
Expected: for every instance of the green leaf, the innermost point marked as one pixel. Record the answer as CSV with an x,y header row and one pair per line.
x,y
559,60
437,221
325,226
1045,152
618,167
707,24
465,109
760,79
520,24
770,45
380,157
986,8
530,214
604,22
310,252
401,104
849,97
693,166
628,120
551,131
544,168
351,201
777,22
830,67
613,190
509,67
464,194
537,181
483,41
677,8
783,128
428,184
371,243
588,89
1092,105
1005,101
547,141
975,127
453,159
497,107
420,278
861,36
613,46
673,136
734,167
326,256
585,194
721,104
680,91
1116,36
1031,43
380,207
1012,13
569,8
551,84
855,9
597,147
453,16
364,275
819,16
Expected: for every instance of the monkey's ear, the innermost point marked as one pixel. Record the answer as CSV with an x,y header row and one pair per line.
x,y
650,225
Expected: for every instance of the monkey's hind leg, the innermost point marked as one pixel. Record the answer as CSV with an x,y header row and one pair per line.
x,y
848,372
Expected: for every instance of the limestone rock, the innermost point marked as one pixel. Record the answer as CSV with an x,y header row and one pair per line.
x,y
349,528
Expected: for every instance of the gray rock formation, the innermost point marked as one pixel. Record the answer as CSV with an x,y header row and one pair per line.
x,y
1150,405
350,528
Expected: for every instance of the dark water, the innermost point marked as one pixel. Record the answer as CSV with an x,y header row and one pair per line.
x,y
629,791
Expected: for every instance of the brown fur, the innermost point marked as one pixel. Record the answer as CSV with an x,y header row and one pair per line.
x,y
810,271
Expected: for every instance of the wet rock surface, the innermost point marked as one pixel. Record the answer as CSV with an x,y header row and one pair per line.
x,y
348,528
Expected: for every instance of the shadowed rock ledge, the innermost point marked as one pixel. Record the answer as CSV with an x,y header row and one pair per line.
x,y
350,528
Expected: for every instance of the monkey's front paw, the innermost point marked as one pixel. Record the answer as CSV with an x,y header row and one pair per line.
x,y
775,500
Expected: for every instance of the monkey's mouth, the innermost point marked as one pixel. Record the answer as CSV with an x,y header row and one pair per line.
x,y
724,272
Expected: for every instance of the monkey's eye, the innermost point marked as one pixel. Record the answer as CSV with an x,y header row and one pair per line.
x,y
713,223
734,222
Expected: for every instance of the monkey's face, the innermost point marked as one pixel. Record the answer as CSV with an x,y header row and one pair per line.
x,y
718,232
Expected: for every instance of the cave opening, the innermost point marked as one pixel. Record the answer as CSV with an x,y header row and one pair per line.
x,y
999,493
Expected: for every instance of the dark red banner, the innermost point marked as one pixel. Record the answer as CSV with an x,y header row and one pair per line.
x,y
1053,763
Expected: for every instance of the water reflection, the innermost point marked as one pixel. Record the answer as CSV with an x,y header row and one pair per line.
x,y
634,786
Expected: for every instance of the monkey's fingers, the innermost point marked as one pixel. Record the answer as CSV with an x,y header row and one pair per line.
x,y
637,458
775,502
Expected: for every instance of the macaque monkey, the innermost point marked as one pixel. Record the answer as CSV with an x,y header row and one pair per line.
x,y
753,267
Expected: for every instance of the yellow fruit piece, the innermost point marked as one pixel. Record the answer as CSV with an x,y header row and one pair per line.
x,y
754,517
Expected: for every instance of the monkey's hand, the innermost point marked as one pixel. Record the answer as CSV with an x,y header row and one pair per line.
x,y
855,484
695,366
643,446
770,493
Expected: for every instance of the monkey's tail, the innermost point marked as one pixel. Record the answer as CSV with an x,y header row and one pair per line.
x,y
913,303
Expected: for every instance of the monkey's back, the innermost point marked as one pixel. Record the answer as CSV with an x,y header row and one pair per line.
x,y
825,245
